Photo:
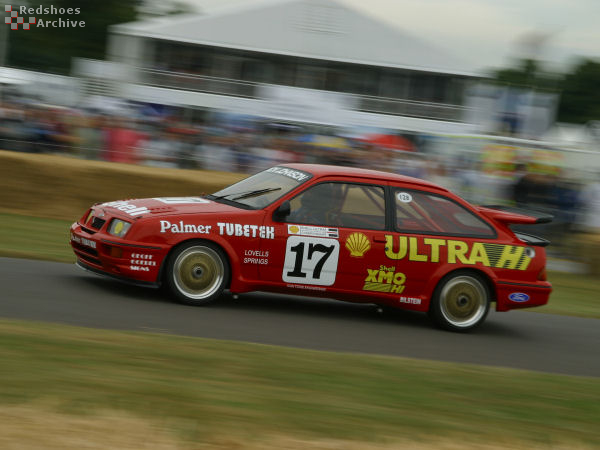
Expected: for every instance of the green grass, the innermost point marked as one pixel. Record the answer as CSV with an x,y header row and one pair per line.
x,y
48,239
205,389
573,294
35,238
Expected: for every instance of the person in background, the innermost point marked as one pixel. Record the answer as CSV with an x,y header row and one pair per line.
x,y
522,186
159,150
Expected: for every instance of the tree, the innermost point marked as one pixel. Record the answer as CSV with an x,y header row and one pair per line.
x,y
528,75
50,49
580,96
579,89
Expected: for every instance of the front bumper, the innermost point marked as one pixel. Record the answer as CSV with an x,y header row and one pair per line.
x,y
107,255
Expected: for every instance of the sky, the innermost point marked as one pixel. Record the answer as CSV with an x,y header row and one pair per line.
x,y
486,34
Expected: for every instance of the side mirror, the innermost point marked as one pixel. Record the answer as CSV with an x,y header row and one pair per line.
x,y
282,212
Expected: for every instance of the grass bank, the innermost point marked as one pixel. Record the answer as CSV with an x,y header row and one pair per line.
x,y
37,238
60,187
189,391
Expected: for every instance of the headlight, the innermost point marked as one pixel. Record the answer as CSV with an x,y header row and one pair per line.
x,y
118,228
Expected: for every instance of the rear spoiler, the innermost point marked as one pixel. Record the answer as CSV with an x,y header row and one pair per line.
x,y
532,240
510,215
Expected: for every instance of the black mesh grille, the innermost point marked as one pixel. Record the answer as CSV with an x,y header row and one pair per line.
x,y
84,249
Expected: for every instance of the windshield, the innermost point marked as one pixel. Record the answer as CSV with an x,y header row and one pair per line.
x,y
264,188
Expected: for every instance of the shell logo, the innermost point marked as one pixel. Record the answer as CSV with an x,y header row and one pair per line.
x,y
358,244
294,229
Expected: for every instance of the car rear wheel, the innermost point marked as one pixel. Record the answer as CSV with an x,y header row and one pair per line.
x,y
197,273
461,302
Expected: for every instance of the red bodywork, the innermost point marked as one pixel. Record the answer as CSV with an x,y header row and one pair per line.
x,y
257,246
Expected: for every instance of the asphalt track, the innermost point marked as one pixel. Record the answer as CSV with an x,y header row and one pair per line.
x,y
63,293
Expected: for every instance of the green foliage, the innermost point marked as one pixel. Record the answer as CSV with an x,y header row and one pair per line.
x,y
580,97
50,49
525,75
579,93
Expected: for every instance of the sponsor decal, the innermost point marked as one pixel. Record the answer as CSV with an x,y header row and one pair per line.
x,y
384,279
83,241
180,200
295,174
420,249
410,300
256,257
310,260
139,269
358,244
305,230
519,297
404,197
181,227
127,208
309,288
236,229
142,259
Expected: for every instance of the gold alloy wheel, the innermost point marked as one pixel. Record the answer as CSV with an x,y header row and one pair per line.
x,y
198,272
463,301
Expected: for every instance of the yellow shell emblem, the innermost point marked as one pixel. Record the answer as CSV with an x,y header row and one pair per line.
x,y
294,229
358,244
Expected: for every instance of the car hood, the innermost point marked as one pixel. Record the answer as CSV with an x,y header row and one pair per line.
x,y
164,206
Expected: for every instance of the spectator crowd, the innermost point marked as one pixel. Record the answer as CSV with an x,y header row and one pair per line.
x,y
214,143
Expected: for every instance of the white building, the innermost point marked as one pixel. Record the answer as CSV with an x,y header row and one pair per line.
x,y
297,60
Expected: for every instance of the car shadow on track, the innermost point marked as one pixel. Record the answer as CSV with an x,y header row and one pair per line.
x,y
322,308
117,288
294,305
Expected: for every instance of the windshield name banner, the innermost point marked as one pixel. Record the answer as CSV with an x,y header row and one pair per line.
x,y
295,174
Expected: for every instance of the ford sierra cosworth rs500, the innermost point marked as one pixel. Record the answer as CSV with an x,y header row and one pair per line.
x,y
324,231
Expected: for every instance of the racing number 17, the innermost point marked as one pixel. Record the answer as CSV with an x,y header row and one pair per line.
x,y
312,248
311,260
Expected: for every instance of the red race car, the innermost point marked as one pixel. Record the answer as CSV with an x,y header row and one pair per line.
x,y
337,232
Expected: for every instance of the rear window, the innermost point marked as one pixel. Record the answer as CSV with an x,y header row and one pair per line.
x,y
423,212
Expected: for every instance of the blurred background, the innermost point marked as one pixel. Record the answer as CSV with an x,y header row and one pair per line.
x,y
501,105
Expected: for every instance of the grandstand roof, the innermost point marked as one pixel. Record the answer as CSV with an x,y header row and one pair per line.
x,y
319,29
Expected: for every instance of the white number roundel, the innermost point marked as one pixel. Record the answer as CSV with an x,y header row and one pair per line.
x,y
404,197
310,260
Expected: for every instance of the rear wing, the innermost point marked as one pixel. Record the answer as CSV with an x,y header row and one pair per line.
x,y
518,216
510,215
530,239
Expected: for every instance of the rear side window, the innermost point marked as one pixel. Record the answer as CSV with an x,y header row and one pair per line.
x,y
423,212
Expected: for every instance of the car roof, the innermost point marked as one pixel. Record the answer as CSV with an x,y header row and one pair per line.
x,y
322,170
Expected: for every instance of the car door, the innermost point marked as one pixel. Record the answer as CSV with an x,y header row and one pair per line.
x,y
327,241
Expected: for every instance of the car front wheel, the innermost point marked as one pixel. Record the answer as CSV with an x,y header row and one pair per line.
x,y
197,273
461,302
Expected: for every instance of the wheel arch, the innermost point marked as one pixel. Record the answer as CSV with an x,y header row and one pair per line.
x,y
485,276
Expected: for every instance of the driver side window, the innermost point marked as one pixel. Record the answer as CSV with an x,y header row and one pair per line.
x,y
340,205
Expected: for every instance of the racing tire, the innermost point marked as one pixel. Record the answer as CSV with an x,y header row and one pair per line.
x,y
197,273
460,302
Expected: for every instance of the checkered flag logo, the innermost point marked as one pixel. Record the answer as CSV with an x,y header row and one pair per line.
x,y
14,20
